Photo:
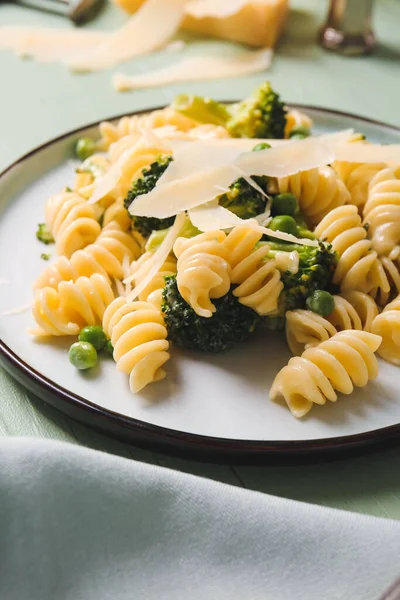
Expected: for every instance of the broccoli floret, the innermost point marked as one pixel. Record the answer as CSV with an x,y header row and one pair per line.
x,y
262,115
44,235
231,324
144,185
243,199
316,267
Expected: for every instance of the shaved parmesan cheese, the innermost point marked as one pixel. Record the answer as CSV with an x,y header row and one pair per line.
x,y
214,8
150,28
337,137
119,287
367,153
48,45
183,194
160,256
208,218
287,159
198,68
195,157
280,235
190,186
16,311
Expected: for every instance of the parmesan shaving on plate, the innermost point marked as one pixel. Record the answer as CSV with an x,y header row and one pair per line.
x,y
150,28
367,153
193,187
287,159
197,68
16,311
159,257
209,218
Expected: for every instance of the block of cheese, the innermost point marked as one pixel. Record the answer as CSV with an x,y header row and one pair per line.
x,y
254,22
257,23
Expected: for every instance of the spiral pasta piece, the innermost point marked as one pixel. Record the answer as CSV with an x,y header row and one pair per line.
x,y
382,212
305,329
117,213
345,361
74,304
352,310
139,338
318,191
356,177
137,124
387,325
392,273
72,222
105,256
358,267
203,270
153,291
93,167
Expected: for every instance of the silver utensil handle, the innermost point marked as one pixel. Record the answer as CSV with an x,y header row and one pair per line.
x,y
76,10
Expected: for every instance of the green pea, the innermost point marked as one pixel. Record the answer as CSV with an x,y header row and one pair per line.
x,y
298,136
261,146
299,130
109,348
82,355
94,335
284,223
321,302
284,204
84,148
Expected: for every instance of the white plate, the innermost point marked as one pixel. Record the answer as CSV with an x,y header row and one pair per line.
x,y
215,405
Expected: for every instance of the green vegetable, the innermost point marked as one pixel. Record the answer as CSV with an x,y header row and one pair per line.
x,y
231,324
44,235
109,348
84,148
243,199
144,185
157,237
299,130
298,136
82,355
262,115
285,204
316,267
321,302
45,256
284,223
92,167
95,335
261,146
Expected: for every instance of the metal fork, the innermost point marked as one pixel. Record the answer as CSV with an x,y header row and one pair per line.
x,y
76,10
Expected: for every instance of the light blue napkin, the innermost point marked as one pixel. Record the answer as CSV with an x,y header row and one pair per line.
x,y
77,524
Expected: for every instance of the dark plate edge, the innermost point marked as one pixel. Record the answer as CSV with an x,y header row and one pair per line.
x,y
172,441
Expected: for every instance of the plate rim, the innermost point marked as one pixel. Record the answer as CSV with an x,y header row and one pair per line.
x,y
172,441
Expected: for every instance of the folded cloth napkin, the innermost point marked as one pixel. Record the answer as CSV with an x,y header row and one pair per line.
x,y
77,524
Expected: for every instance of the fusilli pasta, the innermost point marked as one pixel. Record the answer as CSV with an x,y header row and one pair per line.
x,y
72,222
341,363
358,267
139,338
74,304
387,325
203,271
153,291
305,329
318,191
105,256
382,212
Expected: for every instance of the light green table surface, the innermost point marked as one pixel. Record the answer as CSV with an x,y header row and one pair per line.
x,y
40,101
